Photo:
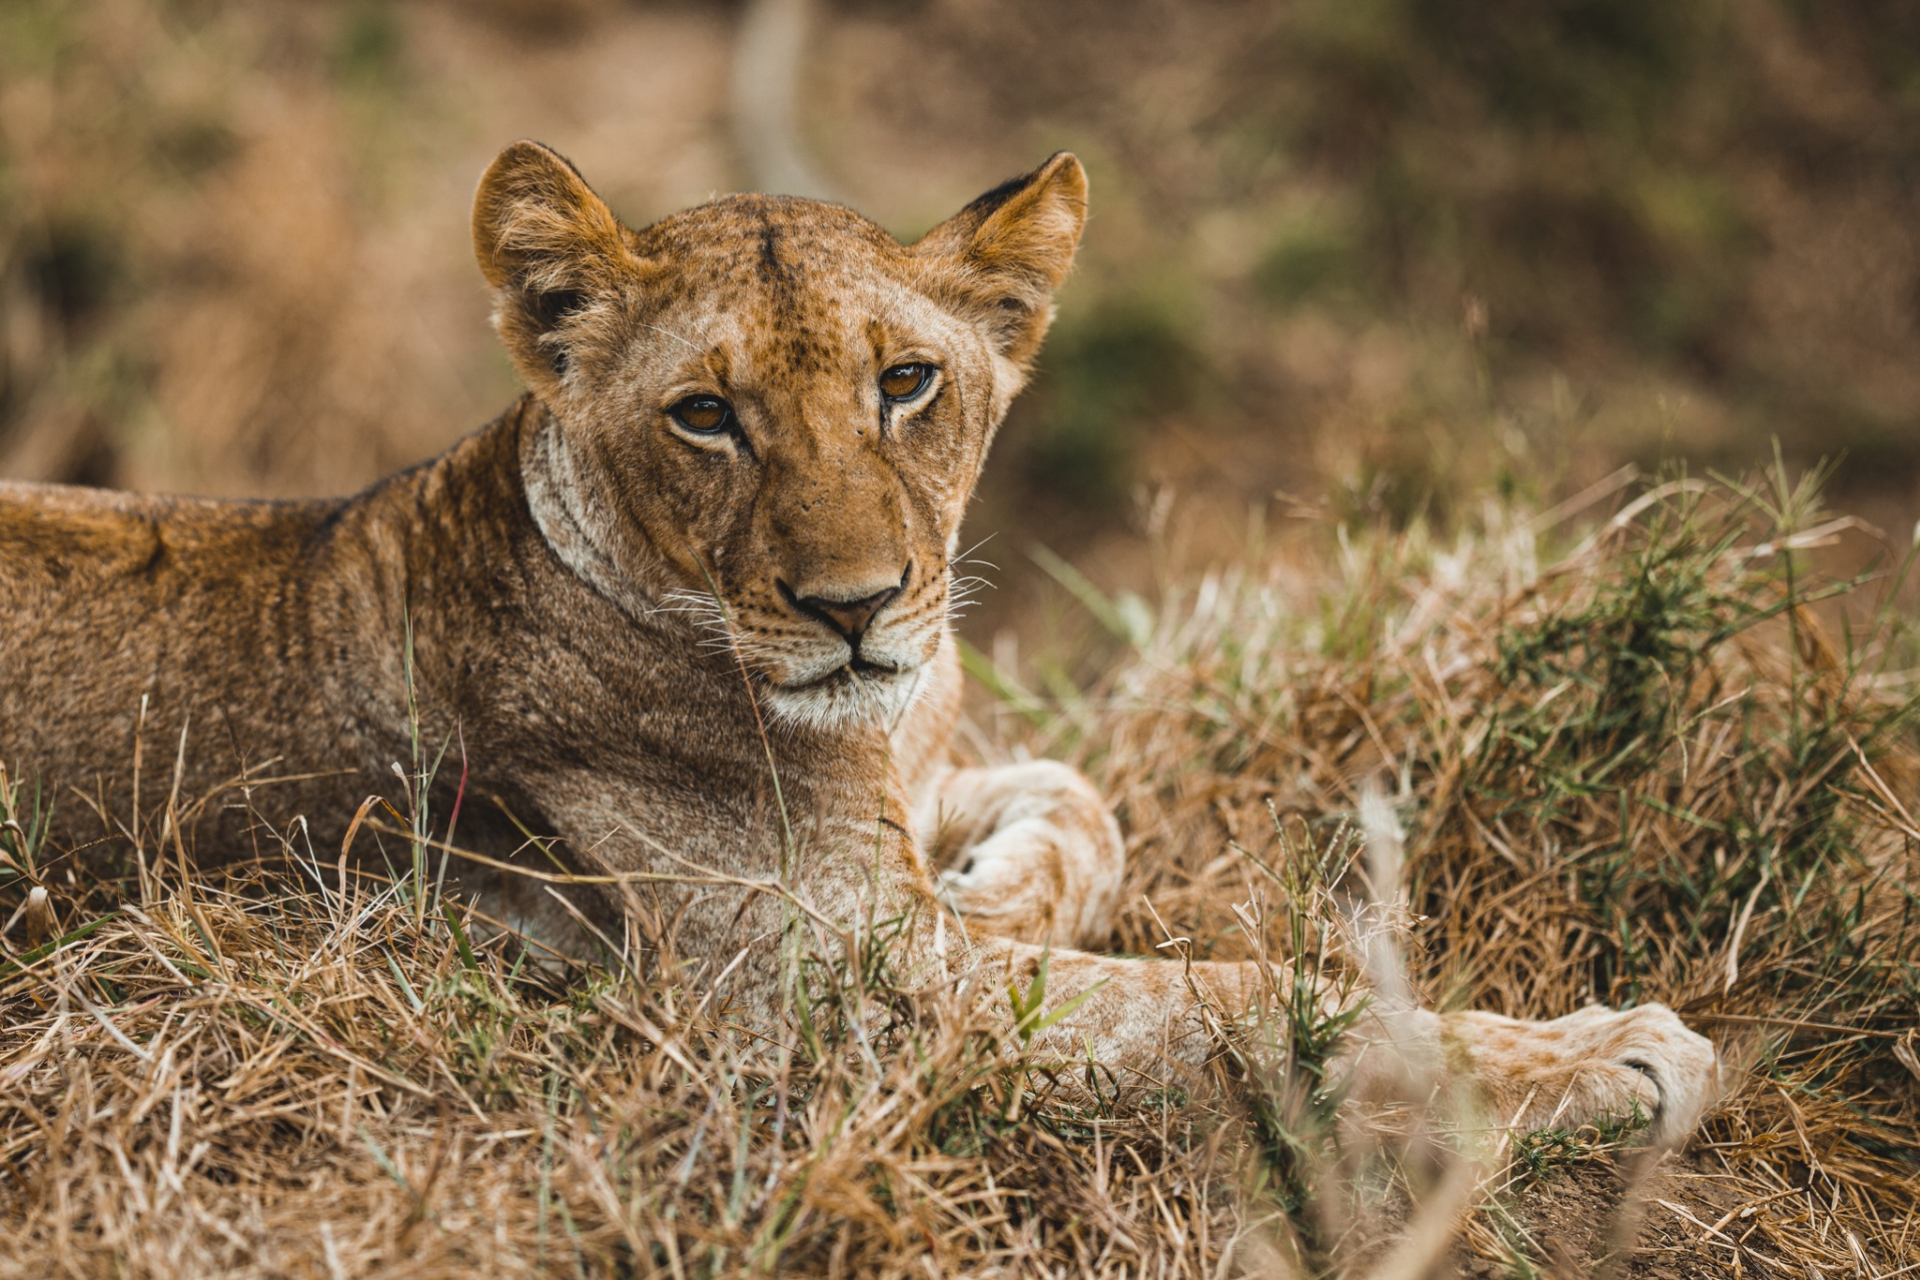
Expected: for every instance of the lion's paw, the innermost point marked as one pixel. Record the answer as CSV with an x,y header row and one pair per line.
x,y
1594,1066
1038,855
1013,880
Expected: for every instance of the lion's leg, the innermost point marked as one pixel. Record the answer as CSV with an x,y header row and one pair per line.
x,y
1587,1066
1150,1019
1026,851
1500,1072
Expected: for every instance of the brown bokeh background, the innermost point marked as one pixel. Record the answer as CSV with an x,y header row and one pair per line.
x,y
1376,256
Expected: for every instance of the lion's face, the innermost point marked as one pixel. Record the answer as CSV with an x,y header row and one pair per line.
x,y
769,414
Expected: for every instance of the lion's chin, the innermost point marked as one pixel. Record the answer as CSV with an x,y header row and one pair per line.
x,y
859,693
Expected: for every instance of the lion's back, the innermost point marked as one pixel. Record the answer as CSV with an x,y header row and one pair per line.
x,y
115,600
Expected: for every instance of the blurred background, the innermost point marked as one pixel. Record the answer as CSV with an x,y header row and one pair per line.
x,y
1365,257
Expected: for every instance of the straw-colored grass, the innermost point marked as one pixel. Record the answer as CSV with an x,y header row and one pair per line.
x,y
1639,750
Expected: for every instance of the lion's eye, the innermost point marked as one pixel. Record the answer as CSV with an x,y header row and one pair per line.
x,y
905,381
704,415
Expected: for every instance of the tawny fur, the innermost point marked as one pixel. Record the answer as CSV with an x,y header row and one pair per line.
x,y
605,611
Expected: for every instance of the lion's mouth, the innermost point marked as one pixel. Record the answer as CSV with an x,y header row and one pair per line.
x,y
856,691
852,673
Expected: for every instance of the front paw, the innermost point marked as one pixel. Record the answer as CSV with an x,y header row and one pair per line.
x,y
1039,857
1013,882
1593,1066
1027,881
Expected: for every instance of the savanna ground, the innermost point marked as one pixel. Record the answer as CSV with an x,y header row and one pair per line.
x,y
1374,302
1632,759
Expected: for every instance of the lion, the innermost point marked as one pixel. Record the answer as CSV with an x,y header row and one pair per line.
x,y
686,609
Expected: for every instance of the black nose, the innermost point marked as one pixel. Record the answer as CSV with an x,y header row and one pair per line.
x,y
849,617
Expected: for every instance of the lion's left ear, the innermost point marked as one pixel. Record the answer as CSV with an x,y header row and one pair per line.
x,y
553,252
1002,256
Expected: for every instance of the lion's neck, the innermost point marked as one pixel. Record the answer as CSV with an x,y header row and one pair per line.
x,y
578,529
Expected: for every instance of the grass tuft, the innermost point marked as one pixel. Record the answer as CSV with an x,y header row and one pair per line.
x,y
1655,751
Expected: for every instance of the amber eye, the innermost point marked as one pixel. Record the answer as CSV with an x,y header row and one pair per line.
x,y
905,381
703,415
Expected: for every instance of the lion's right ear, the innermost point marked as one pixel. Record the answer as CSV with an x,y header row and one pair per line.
x,y
553,253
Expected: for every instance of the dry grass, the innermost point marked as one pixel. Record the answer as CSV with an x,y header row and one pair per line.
x,y
1638,757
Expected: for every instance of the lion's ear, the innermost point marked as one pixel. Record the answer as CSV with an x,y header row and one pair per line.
x,y
1002,256
552,252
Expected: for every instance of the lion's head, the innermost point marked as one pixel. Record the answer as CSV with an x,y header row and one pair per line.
x,y
767,410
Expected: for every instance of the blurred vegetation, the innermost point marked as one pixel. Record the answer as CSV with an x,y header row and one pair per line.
x,y
1707,211
1383,250
1549,154
1112,372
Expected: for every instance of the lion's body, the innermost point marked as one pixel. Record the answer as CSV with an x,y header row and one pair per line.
x,y
124,606
684,609
278,636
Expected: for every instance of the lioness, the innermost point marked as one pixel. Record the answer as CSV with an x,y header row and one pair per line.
x,y
686,607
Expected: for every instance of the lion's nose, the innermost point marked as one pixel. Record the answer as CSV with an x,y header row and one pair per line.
x,y
850,618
